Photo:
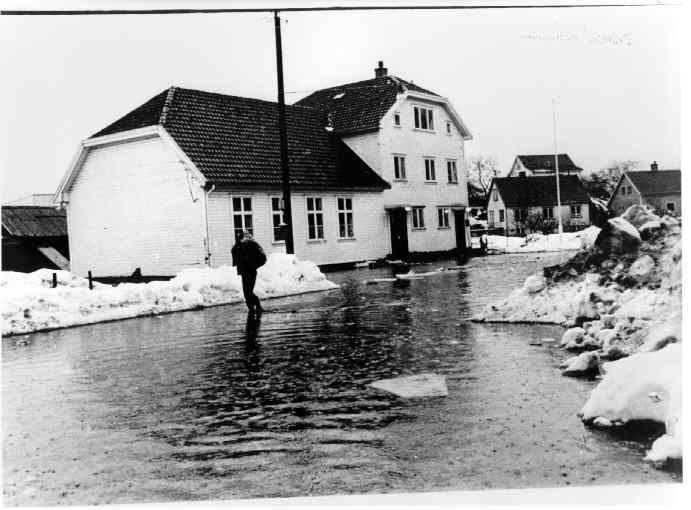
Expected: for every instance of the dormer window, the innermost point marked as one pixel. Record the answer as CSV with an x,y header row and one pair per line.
x,y
397,119
424,118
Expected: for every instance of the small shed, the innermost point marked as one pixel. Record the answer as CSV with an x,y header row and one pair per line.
x,y
34,237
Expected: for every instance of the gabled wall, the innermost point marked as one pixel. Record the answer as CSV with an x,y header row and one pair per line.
x,y
131,206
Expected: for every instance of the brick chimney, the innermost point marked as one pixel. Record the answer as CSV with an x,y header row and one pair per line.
x,y
653,166
381,71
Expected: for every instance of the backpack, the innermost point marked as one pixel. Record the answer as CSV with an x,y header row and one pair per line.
x,y
259,258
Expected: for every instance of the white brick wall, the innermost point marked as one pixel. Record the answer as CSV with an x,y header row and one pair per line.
x,y
129,207
369,221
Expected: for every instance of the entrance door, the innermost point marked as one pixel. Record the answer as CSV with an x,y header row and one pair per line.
x,y
459,220
399,233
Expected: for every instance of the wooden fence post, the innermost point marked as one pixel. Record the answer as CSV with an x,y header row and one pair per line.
x,y
91,282
55,280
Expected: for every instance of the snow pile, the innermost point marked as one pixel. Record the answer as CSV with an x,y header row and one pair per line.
x,y
644,386
543,243
28,303
622,297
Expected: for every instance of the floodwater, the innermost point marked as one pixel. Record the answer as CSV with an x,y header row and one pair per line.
x,y
196,405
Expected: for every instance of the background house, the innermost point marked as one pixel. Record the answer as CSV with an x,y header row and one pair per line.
x,y
513,199
166,186
530,165
33,237
660,189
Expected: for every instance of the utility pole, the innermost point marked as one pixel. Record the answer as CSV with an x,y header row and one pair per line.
x,y
556,171
283,131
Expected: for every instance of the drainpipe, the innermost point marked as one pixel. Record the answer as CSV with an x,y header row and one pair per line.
x,y
206,223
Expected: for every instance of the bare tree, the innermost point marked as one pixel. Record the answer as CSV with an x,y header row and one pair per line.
x,y
481,170
601,183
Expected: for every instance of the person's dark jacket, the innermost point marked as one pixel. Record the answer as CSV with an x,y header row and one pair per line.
x,y
248,256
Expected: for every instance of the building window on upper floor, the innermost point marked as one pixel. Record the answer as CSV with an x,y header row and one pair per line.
x,y
576,211
315,219
277,219
501,215
345,218
548,213
424,118
670,206
242,215
397,119
430,174
418,217
490,220
399,167
495,195
452,171
443,214
448,127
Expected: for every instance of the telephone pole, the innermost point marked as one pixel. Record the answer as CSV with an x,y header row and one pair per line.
x,y
283,132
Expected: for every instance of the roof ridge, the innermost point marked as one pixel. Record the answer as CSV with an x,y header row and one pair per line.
x,y
167,104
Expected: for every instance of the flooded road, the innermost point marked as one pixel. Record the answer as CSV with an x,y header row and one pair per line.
x,y
196,405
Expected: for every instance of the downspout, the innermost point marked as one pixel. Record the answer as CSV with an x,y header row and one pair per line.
x,y
206,224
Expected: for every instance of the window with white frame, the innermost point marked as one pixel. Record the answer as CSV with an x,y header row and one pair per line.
x,y
424,118
548,213
345,218
443,214
576,211
277,218
397,119
452,171
501,215
315,219
418,217
242,215
430,174
399,167
491,219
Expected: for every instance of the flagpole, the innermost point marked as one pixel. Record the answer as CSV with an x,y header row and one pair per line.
x,y
556,172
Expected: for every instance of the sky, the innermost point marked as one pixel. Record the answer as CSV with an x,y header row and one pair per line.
x,y
612,73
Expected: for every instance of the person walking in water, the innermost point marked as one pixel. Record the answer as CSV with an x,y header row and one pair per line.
x,y
248,256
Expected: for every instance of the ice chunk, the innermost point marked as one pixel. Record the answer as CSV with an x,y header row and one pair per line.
x,y
414,386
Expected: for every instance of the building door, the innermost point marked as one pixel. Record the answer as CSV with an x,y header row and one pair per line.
x,y
399,233
459,220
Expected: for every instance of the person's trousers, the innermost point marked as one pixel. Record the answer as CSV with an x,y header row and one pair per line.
x,y
248,281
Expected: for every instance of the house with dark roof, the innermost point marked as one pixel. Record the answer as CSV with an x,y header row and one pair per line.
x,y
659,189
512,199
530,165
376,169
33,237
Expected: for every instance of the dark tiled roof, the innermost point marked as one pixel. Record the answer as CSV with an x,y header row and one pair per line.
x,y
33,221
359,106
658,182
235,140
540,190
546,161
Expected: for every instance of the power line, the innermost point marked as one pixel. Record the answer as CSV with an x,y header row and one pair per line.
x,y
92,12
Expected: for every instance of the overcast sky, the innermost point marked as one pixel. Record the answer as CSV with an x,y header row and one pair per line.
x,y
614,74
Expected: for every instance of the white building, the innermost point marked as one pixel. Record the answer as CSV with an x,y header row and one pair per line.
x,y
377,169
529,165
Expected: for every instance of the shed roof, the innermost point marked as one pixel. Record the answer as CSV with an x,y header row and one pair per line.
x,y
235,140
540,190
33,221
546,161
359,106
656,182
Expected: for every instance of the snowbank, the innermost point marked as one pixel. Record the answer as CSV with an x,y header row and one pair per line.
x,y
644,386
623,292
543,243
28,303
